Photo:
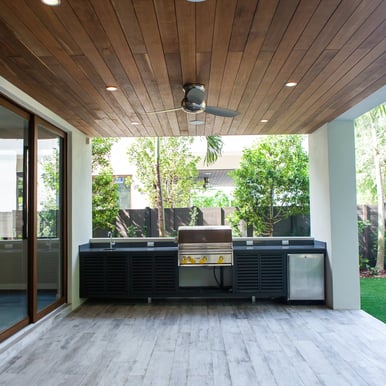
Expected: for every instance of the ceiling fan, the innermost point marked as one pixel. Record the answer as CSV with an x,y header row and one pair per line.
x,y
194,102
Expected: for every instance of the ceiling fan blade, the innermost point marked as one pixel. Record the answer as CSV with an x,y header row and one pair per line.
x,y
196,95
222,112
165,111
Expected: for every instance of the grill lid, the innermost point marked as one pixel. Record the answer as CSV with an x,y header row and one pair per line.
x,y
204,234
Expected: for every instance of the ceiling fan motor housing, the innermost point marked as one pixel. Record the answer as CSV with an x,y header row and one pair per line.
x,y
194,101
189,86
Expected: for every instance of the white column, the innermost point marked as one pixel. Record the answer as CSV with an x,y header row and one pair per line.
x,y
333,209
79,207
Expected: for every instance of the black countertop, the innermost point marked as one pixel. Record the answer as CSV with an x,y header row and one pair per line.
x,y
303,245
104,248
238,245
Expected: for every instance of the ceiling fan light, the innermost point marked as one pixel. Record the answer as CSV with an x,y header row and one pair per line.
x,y
192,107
51,3
196,122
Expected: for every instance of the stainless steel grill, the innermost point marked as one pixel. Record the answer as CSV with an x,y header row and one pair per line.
x,y
205,245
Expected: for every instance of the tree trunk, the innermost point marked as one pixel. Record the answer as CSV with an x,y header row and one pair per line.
x,y
380,264
158,186
271,209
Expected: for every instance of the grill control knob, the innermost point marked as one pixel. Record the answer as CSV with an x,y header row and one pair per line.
x,y
220,260
191,260
203,260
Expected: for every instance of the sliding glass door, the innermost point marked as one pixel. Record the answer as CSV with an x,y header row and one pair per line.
x,y
50,246
13,216
32,218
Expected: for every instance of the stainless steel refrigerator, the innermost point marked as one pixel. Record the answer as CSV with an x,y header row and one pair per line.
x,y
306,276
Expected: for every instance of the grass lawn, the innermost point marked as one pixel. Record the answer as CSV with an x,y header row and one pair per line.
x,y
373,297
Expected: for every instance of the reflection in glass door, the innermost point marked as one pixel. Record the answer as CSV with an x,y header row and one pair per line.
x,y
49,217
13,224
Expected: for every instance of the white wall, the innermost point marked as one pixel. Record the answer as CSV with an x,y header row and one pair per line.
x,y
80,207
79,183
122,166
333,209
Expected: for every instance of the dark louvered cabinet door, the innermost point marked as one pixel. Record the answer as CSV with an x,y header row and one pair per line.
x,y
260,274
165,274
141,275
116,276
92,276
103,276
153,275
272,278
246,273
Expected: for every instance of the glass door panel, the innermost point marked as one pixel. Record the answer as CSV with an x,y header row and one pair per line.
x,y
13,224
49,217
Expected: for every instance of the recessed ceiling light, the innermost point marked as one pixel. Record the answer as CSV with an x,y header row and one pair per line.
x,y
135,123
264,120
196,122
111,88
51,2
196,1
291,84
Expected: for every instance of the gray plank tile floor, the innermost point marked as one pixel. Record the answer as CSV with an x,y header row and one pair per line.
x,y
203,343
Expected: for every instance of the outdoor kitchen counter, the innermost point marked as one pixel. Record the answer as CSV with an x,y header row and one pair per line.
x,y
102,248
148,268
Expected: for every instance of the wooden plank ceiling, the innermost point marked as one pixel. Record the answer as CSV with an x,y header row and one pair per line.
x,y
243,51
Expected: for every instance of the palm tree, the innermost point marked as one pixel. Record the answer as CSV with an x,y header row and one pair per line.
x,y
214,146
